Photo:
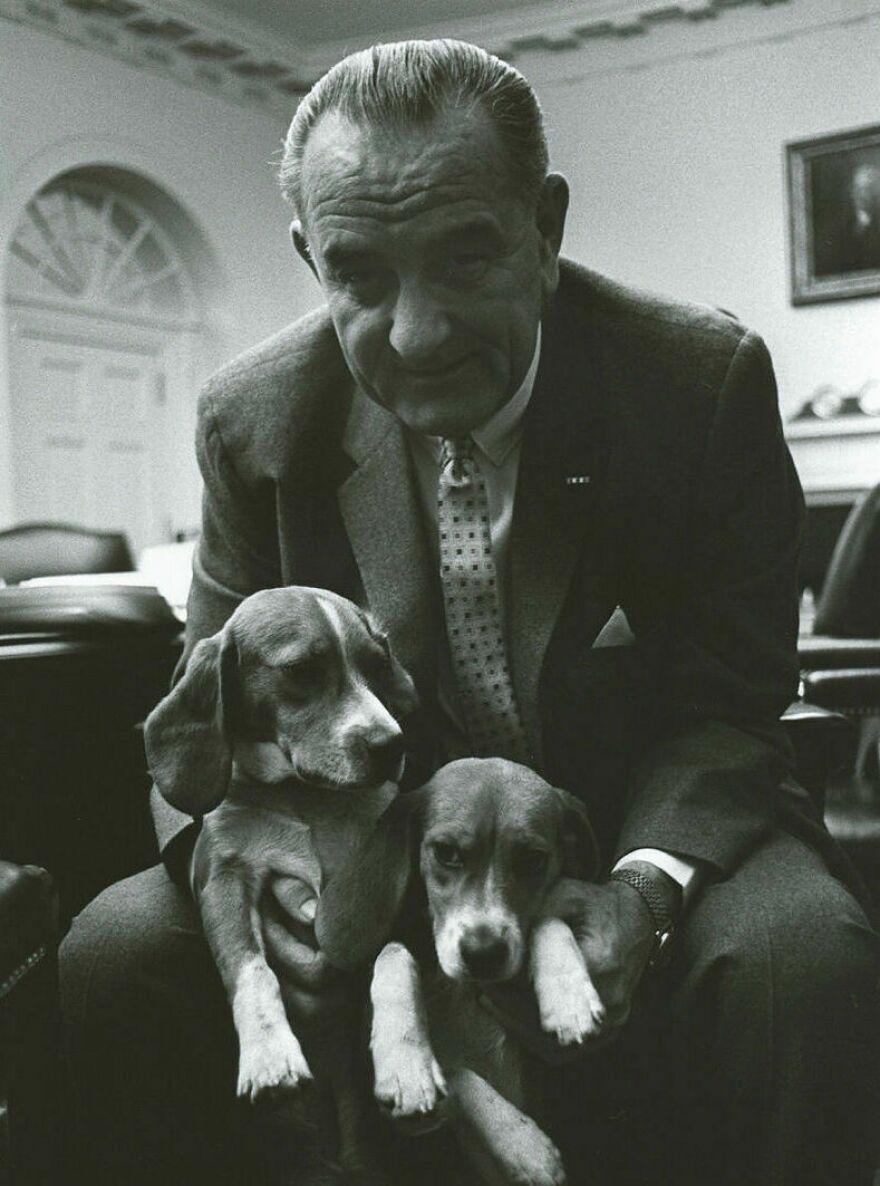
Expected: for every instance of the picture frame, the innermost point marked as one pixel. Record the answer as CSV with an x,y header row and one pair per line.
x,y
834,215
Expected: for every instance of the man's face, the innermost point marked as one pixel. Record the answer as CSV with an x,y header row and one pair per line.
x,y
434,270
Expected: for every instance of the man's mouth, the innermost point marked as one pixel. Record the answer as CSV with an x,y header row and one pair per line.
x,y
433,374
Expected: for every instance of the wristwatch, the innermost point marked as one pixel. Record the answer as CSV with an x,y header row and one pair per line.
x,y
663,897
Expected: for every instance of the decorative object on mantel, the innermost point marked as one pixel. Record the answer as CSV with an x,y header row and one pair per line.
x,y
832,412
834,216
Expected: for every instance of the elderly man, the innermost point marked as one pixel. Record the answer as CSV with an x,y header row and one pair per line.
x,y
632,599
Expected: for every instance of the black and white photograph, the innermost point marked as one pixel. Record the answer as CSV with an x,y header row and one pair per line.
x,y
439,593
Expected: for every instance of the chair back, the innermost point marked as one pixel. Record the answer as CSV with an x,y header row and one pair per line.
x,y
849,604
60,549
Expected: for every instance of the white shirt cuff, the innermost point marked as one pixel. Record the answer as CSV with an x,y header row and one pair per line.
x,y
682,871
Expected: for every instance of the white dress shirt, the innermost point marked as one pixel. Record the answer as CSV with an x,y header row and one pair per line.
x,y
497,451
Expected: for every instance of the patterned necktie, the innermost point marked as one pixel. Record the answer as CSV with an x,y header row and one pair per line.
x,y
473,617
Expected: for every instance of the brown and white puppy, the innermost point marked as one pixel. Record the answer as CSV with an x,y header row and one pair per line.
x,y
488,838
286,727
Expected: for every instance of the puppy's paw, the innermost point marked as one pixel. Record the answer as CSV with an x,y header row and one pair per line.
x,y
410,1087
571,1009
569,1006
273,1065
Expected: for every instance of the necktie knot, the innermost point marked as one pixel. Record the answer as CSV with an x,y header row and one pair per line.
x,y
454,460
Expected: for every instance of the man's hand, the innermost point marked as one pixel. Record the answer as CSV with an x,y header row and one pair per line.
x,y
310,985
615,933
287,911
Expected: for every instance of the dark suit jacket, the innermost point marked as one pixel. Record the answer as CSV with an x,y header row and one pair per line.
x,y
689,523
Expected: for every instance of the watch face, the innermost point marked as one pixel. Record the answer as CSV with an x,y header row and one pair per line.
x,y
662,949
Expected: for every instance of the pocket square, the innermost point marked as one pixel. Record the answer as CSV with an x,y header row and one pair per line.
x,y
616,632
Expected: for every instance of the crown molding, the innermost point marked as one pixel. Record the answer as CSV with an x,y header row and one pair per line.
x,y
179,39
551,27
234,58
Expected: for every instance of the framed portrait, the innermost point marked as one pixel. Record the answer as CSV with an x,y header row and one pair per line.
x,y
834,216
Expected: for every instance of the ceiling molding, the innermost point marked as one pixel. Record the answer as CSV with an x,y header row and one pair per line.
x,y
179,40
554,27
236,59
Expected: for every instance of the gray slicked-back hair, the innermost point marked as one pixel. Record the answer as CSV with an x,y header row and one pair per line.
x,y
410,83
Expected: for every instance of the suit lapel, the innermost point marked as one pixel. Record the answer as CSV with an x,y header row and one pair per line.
x,y
379,507
558,487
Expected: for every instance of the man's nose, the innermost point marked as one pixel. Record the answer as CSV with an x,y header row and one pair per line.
x,y
419,324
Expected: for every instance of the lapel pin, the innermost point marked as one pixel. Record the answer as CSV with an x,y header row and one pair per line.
x,y
578,480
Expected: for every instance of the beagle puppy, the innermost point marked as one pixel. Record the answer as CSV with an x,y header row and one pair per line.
x,y
486,838
286,727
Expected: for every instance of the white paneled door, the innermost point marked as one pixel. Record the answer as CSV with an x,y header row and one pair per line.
x,y
87,420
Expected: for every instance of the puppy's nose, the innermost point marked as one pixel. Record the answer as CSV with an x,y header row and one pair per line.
x,y
483,953
386,755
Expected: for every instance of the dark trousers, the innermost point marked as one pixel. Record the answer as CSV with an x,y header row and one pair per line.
x,y
752,1058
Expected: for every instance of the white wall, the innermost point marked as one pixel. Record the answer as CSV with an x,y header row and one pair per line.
x,y
674,149
64,106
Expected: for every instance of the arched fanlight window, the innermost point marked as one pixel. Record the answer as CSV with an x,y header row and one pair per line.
x,y
82,245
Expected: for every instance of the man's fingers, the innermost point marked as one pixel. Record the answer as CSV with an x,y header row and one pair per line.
x,y
295,960
296,898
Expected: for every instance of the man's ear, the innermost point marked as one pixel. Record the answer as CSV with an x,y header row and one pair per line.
x,y
550,221
302,245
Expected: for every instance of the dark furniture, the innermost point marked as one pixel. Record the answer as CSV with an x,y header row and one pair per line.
x,y
849,604
31,1084
840,665
826,514
80,668
843,675
58,549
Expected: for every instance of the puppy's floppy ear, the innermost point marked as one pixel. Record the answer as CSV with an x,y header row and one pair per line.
x,y
357,910
580,847
188,750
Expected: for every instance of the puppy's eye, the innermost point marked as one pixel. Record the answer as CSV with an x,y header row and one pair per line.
x,y
376,665
530,862
448,855
302,674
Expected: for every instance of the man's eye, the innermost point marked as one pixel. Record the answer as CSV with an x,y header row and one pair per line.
x,y
448,855
530,862
365,283
467,266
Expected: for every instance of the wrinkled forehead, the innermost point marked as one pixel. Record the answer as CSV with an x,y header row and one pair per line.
x,y
348,166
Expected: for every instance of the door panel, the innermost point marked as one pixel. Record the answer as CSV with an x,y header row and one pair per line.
x,y
86,430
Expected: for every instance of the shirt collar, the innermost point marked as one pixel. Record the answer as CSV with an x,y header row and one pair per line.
x,y
503,429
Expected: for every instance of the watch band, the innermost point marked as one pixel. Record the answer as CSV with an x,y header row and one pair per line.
x,y
658,891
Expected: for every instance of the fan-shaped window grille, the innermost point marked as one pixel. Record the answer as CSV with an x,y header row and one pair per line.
x,y
84,246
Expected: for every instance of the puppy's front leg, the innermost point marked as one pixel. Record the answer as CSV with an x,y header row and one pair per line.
x,y
408,1081
567,999
506,1147
270,1056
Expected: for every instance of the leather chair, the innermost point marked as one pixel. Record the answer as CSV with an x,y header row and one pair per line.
x,y
31,1080
58,549
840,671
849,604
